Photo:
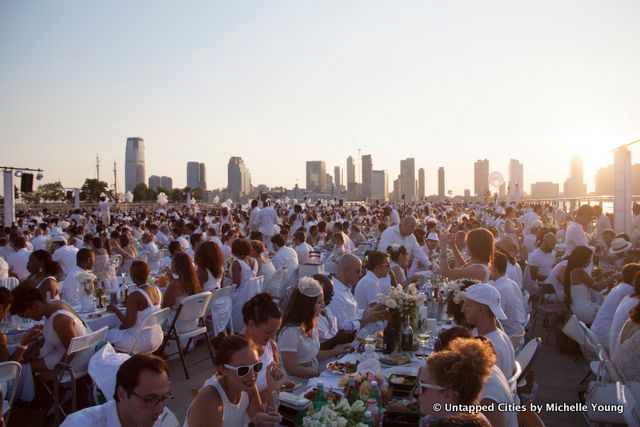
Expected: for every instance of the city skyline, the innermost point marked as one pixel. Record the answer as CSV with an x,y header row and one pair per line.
x,y
210,81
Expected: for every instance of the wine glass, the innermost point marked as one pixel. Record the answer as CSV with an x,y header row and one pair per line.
x,y
423,338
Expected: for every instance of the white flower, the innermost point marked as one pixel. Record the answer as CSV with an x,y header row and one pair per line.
x,y
342,422
358,406
412,289
392,304
343,404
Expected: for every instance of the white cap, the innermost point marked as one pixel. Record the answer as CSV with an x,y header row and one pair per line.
x,y
483,293
433,236
58,238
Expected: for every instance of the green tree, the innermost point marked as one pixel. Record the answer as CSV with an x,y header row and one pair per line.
x,y
197,194
150,195
176,196
139,192
51,192
31,198
93,188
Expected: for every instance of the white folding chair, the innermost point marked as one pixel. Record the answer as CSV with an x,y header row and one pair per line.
x,y
189,323
275,286
9,282
65,373
220,309
241,296
155,319
629,405
589,344
513,381
525,358
9,375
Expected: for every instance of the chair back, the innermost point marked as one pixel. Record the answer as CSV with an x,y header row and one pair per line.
x,y
9,282
10,373
157,318
589,344
517,338
629,404
275,286
78,344
528,355
528,418
115,261
256,285
194,307
220,309
513,381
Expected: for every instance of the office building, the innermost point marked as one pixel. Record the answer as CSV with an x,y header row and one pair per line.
x,y
316,176
481,177
238,177
441,192
408,179
134,167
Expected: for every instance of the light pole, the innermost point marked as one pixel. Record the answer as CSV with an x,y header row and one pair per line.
x,y
9,195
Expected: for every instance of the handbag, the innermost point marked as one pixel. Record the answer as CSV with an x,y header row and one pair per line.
x,y
572,329
604,394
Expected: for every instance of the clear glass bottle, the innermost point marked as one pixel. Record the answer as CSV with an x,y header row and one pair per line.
x,y
407,336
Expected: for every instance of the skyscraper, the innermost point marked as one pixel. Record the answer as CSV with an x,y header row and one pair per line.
x,y
154,182
238,177
380,185
316,176
337,179
351,170
134,168
196,175
166,183
574,185
421,184
367,167
441,192
516,176
408,179
481,177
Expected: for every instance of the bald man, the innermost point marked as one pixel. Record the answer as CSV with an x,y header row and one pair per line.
x,y
343,304
402,234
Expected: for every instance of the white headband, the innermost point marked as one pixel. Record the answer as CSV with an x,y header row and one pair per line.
x,y
309,287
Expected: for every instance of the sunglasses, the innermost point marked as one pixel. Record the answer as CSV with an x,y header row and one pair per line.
x,y
152,402
423,387
243,370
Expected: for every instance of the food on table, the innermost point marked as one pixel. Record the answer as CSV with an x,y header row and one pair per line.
x,y
342,367
332,396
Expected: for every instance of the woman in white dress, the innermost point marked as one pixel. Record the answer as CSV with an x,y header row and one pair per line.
x,y
210,262
266,268
625,353
43,271
298,339
243,269
231,394
141,302
479,244
578,285
263,318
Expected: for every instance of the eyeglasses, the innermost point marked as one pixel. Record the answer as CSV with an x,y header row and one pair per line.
x,y
243,370
423,387
152,402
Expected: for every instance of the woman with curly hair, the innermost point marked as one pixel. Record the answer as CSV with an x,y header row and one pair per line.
x,y
454,375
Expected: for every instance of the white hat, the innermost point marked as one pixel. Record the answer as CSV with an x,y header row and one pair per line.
x,y
619,245
488,295
433,236
309,287
63,224
58,238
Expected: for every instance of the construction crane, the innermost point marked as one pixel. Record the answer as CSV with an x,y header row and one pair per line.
x,y
625,146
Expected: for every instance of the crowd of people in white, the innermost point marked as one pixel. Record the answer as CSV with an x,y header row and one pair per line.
x,y
514,257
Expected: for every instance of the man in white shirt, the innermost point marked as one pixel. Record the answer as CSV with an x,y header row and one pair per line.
x,y
601,326
19,258
511,299
343,304
575,235
162,236
105,213
41,238
368,288
602,222
481,308
71,289
403,235
267,220
141,394
63,254
253,216
543,258
302,247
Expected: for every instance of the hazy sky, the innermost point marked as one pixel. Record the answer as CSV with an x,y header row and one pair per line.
x,y
282,82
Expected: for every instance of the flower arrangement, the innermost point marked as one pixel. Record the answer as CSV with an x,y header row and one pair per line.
x,y
402,304
340,415
363,383
87,281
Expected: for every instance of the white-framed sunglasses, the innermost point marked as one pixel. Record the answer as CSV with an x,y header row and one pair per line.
x,y
422,387
243,370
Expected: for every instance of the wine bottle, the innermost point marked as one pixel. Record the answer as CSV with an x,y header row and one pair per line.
x,y
352,393
389,336
407,337
320,399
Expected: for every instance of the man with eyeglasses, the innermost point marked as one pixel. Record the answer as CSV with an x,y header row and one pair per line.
x,y
368,288
141,393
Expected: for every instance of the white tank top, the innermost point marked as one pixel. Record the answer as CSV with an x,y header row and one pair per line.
x,y
211,283
232,415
